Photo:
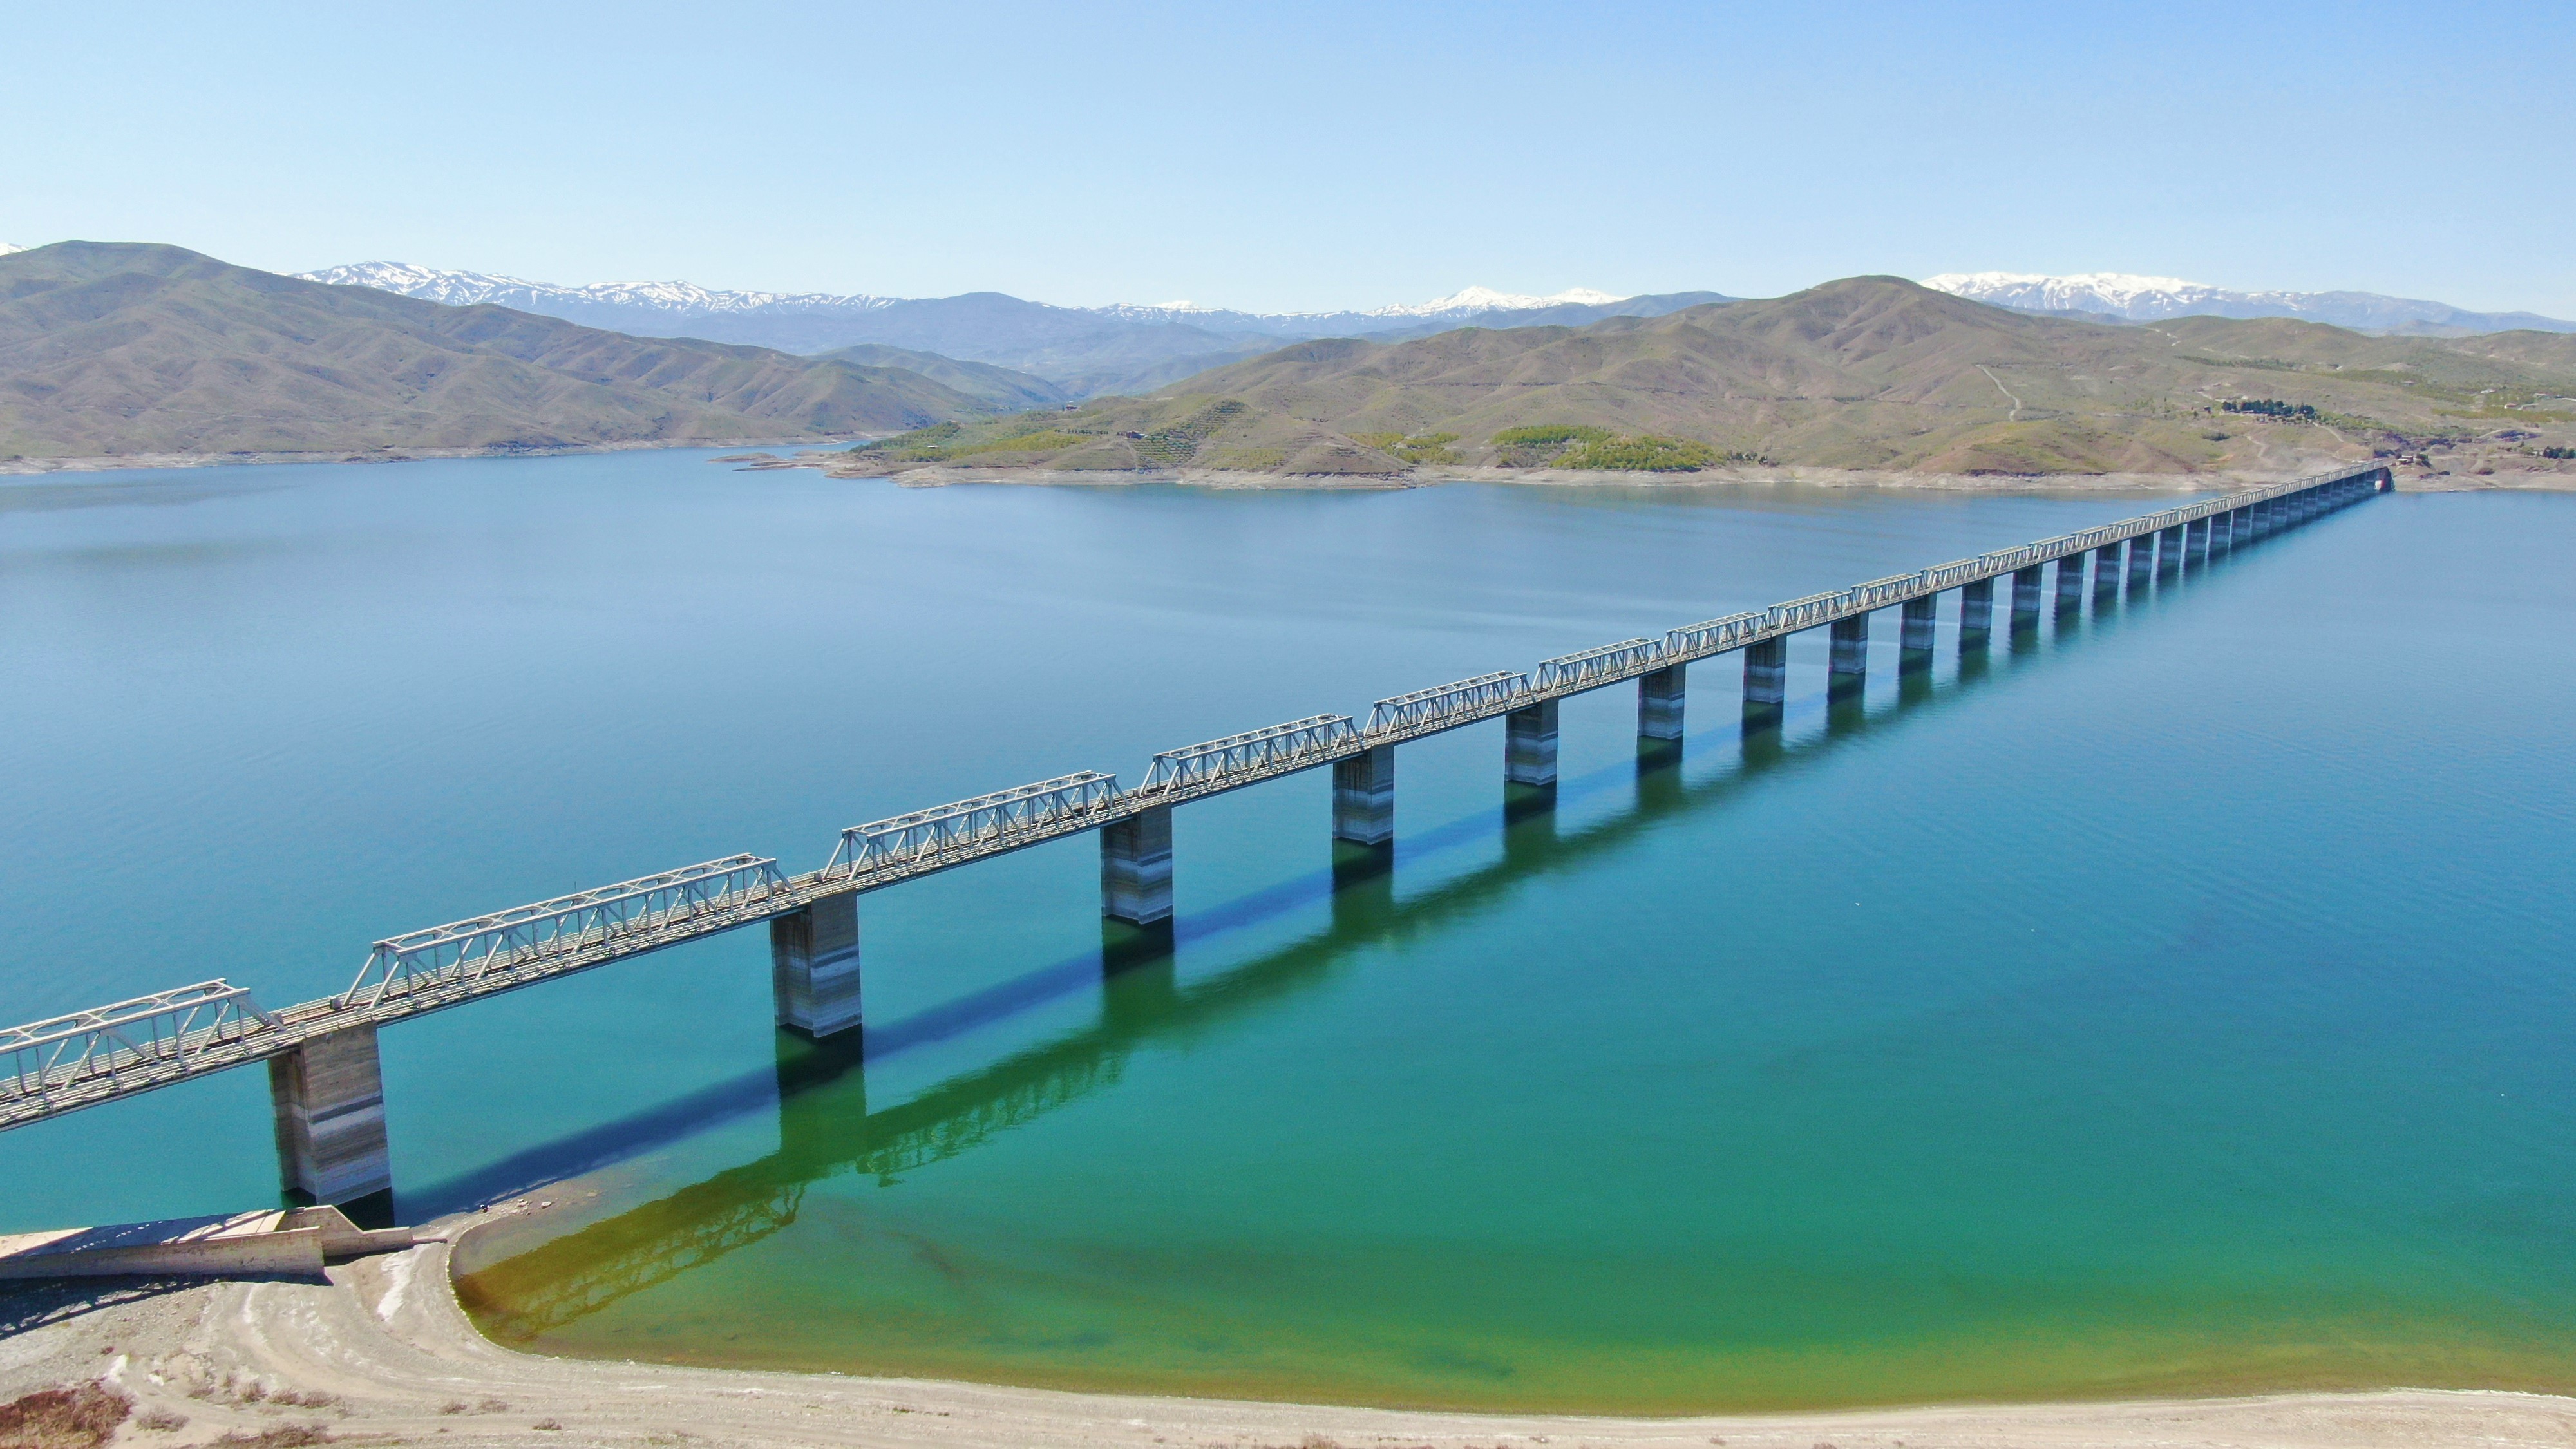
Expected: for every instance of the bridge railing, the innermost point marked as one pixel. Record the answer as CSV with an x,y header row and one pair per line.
x,y
1714,636
465,951
1591,666
1258,752
1807,612
1425,709
969,824
1879,593
156,1036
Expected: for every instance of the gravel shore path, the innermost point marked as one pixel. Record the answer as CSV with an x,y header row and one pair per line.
x,y
382,1354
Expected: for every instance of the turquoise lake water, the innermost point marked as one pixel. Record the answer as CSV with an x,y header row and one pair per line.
x,y
2176,998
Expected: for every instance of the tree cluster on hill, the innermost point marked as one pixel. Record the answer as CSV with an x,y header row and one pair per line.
x,y
2270,407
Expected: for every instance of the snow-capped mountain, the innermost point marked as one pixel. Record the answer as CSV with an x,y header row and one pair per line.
x,y
1486,299
1473,302
2127,298
467,289
1087,349
6,249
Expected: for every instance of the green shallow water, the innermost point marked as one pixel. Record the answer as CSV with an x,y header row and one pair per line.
x,y
2175,1000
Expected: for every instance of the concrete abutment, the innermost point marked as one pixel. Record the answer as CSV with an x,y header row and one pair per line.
x,y
329,1101
1364,797
1766,677
1848,668
814,966
1136,867
1660,694
1529,745
1976,614
1916,632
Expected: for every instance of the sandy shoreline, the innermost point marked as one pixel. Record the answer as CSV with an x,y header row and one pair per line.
x,y
126,462
828,456
382,1354
2409,479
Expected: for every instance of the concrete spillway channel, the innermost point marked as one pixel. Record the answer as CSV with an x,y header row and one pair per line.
x,y
327,1089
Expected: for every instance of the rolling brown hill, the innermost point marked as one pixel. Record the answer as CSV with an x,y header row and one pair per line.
x,y
113,349
1865,373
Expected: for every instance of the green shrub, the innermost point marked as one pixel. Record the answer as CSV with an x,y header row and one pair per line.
x,y
1412,447
1043,441
915,440
1651,454
1547,434
1175,445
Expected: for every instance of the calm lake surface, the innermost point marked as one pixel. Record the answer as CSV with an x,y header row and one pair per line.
x,y
2177,999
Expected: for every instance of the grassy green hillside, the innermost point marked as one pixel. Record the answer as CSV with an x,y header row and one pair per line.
x,y
1866,373
111,349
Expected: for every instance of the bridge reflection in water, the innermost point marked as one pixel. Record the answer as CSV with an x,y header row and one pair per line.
x,y
827,1129
325,1072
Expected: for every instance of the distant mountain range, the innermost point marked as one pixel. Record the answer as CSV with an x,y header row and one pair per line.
x,y
2153,299
1864,373
112,350
116,349
1083,351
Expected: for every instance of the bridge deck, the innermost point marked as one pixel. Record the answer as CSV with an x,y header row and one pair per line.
x,y
77,1065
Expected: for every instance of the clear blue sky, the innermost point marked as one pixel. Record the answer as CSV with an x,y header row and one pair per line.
x,y
1319,154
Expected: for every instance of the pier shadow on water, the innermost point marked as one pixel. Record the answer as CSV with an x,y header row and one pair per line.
x,y
826,1127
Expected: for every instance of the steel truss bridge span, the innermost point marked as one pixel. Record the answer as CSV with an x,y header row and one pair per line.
x,y
65,1063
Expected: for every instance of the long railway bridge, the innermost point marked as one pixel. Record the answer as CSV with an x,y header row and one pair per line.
x,y
325,1083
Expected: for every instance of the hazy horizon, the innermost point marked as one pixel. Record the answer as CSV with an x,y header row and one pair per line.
x,y
1338,157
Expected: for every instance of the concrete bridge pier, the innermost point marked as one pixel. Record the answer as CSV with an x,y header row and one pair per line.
x,y
2070,583
2026,594
1976,614
329,1100
1915,634
1136,867
1849,669
1364,797
814,966
2195,542
1766,677
1659,702
2169,549
2106,569
2142,558
1529,745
